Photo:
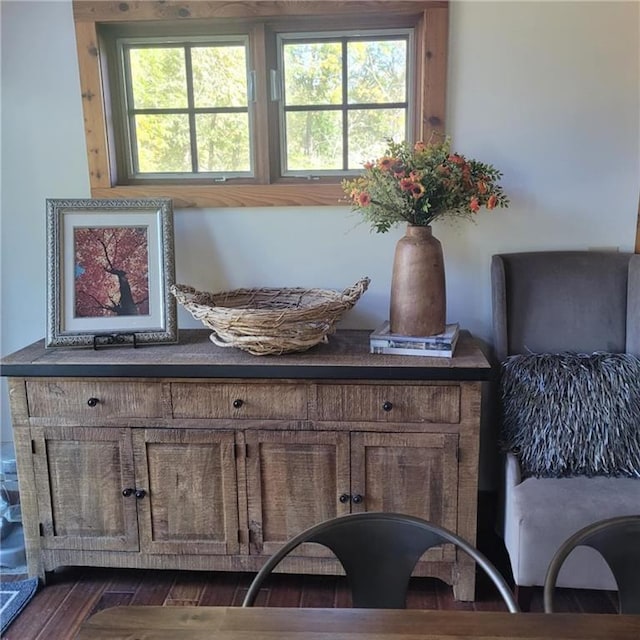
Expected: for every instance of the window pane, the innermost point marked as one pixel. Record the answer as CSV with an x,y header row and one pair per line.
x,y
369,130
219,76
163,143
223,142
314,140
377,71
313,73
158,78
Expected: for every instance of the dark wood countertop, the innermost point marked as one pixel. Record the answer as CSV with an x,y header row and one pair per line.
x,y
345,356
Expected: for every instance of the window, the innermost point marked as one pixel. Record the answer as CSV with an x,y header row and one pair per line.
x,y
342,96
184,108
240,104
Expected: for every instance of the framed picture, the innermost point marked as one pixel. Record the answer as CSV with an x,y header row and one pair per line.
x,y
110,264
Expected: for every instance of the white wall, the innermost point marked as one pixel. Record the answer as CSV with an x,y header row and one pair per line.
x,y
549,92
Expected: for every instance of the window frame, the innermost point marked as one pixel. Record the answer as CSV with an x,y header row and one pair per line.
x,y
431,19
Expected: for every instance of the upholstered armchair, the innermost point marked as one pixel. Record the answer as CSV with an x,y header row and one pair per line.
x,y
555,302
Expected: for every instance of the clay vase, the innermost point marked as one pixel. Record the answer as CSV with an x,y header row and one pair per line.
x,y
418,296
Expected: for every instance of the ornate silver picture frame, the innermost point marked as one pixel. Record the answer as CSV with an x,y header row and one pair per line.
x,y
110,264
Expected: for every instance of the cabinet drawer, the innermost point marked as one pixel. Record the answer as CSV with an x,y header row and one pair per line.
x,y
389,403
239,401
94,399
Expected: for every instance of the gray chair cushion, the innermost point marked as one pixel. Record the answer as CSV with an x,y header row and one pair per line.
x,y
541,513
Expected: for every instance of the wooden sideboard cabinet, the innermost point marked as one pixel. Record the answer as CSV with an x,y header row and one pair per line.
x,y
190,456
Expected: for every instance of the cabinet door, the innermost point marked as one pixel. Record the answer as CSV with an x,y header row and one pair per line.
x,y
294,480
80,474
191,492
414,473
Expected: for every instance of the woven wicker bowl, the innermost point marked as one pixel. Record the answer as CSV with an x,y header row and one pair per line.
x,y
269,321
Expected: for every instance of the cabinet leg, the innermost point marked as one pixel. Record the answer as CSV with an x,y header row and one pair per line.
x,y
465,588
523,595
46,577
35,569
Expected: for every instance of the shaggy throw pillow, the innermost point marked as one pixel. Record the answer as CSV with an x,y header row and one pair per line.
x,y
572,414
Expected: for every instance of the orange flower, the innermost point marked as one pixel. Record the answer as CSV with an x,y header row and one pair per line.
x,y
482,187
474,205
364,199
415,176
416,190
419,146
456,158
466,176
385,163
492,201
406,184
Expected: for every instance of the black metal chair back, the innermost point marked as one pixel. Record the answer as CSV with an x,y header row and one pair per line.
x,y
379,552
618,541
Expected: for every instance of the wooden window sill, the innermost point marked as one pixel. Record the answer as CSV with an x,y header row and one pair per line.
x,y
209,196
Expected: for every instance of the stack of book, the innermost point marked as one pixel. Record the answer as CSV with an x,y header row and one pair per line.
x,y
441,345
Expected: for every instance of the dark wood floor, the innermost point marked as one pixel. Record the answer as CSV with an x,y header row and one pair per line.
x,y
74,593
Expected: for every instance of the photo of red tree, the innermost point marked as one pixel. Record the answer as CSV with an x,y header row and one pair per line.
x,y
111,271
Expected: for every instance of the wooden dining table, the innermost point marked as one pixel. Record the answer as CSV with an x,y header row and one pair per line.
x,y
272,623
